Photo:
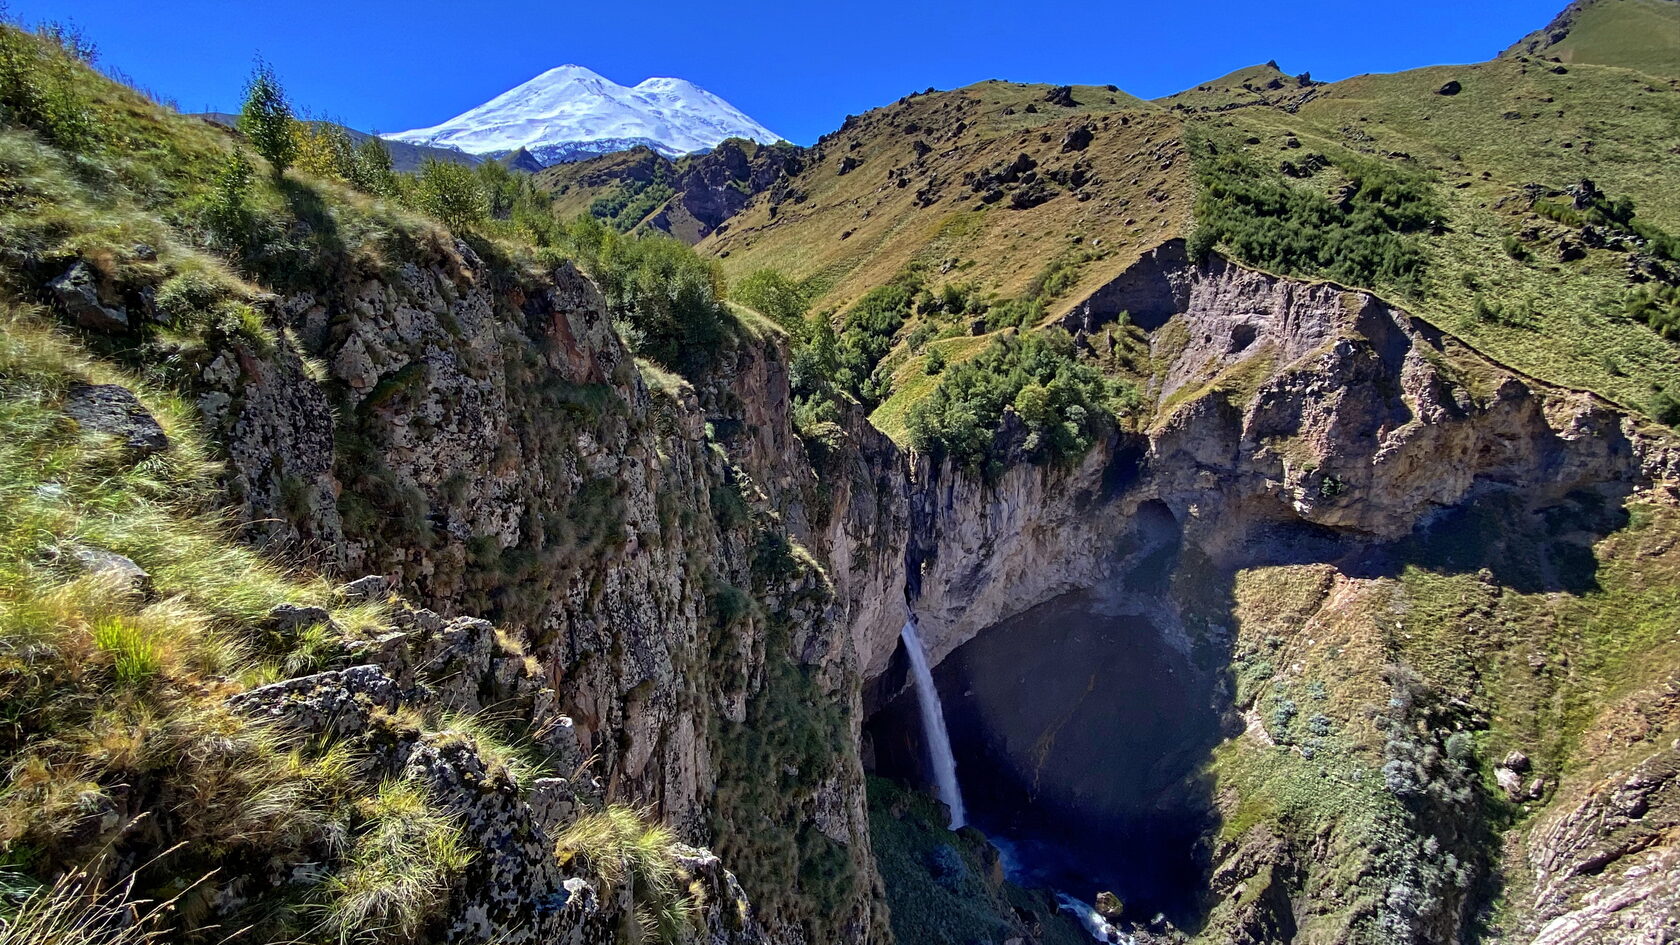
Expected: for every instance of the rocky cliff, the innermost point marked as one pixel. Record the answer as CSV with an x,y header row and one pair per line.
x,y
489,446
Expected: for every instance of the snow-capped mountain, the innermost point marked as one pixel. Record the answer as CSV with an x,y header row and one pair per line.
x,y
569,113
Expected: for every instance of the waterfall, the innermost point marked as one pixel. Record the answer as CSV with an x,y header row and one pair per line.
x,y
933,725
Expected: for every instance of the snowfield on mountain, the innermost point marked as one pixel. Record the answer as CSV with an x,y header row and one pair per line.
x,y
570,112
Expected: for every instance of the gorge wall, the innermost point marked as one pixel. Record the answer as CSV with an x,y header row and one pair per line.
x,y
716,603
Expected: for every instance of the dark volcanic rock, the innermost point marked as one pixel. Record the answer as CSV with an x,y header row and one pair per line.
x,y
114,410
77,293
1061,95
1451,88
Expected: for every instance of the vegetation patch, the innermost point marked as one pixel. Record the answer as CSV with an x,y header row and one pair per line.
x,y
1363,232
1036,379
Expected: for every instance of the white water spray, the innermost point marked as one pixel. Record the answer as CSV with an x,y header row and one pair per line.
x,y
933,725
1094,923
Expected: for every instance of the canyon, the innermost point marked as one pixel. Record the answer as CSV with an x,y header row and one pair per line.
x,y
1280,387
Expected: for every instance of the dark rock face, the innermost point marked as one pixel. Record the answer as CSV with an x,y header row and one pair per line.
x,y
1061,95
77,293
1077,731
488,423
714,186
115,411
1451,88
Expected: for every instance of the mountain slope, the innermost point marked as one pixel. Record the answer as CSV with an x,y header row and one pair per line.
x,y
570,112
1636,34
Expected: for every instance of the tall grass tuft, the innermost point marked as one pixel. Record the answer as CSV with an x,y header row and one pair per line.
x,y
80,910
622,845
399,868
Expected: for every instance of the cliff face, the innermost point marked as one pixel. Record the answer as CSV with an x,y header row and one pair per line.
x,y
1282,402
494,450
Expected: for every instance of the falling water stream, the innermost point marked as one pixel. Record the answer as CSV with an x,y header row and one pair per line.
x,y
945,779
933,725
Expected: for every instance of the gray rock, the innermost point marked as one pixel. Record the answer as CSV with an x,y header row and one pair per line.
x,y
113,567
77,293
338,702
1077,139
115,411
553,804
371,588
1516,761
290,618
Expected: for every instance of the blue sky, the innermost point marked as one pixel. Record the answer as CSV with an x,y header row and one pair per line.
x,y
799,68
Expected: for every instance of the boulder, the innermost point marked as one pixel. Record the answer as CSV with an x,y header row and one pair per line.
x,y
115,411
1077,139
1451,88
113,567
77,293
338,702
364,589
1061,95
290,618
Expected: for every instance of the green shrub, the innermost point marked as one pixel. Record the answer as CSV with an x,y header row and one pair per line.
x,y
370,168
1059,400
227,208
633,200
452,194
38,86
775,295
1367,236
866,336
667,298
1657,306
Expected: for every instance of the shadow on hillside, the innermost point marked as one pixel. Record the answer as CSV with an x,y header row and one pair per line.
x,y
1499,537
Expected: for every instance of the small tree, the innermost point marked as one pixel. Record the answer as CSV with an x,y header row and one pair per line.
x,y
775,295
451,193
267,118
371,171
227,207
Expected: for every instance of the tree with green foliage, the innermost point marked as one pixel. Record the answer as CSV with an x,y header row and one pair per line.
x,y
770,292
371,169
666,299
452,193
227,208
866,337
1035,376
266,119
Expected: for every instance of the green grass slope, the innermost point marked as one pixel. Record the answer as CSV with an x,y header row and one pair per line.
x,y
1636,34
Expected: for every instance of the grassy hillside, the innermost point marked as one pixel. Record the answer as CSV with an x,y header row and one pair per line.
x,y
1514,126
1636,34
131,608
921,190
927,182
